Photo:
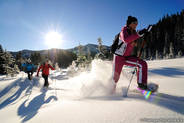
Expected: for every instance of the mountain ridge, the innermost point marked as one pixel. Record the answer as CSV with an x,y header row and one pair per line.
x,y
93,48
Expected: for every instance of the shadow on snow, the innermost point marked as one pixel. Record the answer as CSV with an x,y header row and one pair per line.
x,y
166,71
21,85
14,93
30,110
173,103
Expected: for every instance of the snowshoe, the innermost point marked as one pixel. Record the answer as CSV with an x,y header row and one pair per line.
x,y
153,87
150,87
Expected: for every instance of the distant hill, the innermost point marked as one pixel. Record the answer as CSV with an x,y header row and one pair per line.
x,y
25,53
93,48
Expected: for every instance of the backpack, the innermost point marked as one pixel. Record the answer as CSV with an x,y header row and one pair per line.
x,y
115,45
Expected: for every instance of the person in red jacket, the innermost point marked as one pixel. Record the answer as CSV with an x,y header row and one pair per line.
x,y
122,55
45,72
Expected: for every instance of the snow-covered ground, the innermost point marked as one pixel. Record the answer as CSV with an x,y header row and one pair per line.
x,y
85,98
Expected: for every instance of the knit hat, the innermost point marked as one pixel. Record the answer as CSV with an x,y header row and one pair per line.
x,y
131,19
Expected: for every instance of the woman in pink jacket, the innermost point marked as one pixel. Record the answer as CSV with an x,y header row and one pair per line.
x,y
122,56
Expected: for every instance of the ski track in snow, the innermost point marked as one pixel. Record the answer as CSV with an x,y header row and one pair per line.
x,y
84,96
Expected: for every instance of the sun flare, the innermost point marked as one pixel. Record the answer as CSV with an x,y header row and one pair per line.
x,y
53,39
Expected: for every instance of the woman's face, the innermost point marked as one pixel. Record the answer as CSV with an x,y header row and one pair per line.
x,y
133,25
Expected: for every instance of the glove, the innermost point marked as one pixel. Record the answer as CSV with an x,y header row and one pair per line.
x,y
142,32
145,30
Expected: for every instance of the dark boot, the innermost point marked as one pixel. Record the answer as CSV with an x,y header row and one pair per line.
x,y
46,84
142,86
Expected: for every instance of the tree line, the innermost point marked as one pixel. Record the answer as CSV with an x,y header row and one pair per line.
x,y
166,39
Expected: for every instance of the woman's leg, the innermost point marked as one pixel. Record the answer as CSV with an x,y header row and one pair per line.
x,y
142,68
45,80
118,63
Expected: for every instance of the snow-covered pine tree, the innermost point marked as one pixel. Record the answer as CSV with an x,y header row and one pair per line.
x,y
171,51
16,69
89,58
80,48
81,58
57,66
157,54
179,54
7,63
100,55
100,44
1,60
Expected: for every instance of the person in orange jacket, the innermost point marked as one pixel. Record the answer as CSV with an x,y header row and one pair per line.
x,y
45,72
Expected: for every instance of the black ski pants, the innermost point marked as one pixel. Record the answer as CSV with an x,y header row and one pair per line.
x,y
30,74
46,83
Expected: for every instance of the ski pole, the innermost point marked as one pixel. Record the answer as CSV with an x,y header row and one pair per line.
x,y
54,80
55,87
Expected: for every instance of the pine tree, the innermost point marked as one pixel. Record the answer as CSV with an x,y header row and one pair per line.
x,y
179,54
81,58
56,66
149,54
19,60
65,58
80,48
16,68
166,47
89,55
171,51
157,54
7,63
100,45
100,55
36,58
1,49
165,52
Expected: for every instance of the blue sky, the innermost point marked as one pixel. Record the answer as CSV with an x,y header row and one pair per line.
x,y
25,23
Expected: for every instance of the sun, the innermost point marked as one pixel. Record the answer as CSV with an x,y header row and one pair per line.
x,y
53,39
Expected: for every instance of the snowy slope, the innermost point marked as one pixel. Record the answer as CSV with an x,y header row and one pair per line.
x,y
85,98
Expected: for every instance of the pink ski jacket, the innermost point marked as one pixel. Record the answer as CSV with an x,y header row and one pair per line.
x,y
127,39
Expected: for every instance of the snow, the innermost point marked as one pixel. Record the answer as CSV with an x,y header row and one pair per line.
x,y
85,97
